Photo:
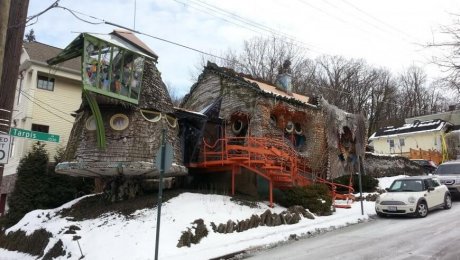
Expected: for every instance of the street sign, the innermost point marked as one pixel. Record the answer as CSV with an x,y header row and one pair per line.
x,y
4,148
169,155
34,135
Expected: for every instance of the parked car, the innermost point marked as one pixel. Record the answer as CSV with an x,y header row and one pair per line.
x,y
413,196
428,165
449,174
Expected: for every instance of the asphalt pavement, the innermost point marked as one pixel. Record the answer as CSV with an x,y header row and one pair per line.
x,y
435,237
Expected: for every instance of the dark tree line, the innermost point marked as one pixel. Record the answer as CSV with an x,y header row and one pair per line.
x,y
350,84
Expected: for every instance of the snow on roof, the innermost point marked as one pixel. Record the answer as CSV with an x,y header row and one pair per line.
x,y
190,111
416,127
273,90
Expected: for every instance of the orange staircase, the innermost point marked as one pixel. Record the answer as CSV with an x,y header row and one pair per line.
x,y
270,158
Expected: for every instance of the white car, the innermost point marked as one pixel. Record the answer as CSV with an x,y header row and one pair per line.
x,y
413,196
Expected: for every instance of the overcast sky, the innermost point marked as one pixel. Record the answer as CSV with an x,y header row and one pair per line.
x,y
386,33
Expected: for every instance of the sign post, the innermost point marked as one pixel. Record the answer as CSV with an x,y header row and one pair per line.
x,y
164,160
4,148
34,135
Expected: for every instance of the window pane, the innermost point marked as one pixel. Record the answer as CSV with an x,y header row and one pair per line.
x,y
40,128
117,64
46,83
91,62
104,78
136,76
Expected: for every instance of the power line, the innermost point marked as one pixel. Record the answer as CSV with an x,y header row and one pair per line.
x,y
35,16
102,21
73,12
252,22
247,23
51,112
44,103
378,20
366,22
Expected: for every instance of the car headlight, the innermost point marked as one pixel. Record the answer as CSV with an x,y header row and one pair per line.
x,y
377,200
411,199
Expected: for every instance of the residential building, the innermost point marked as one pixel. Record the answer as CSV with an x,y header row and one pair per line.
x,y
45,99
274,137
126,108
419,135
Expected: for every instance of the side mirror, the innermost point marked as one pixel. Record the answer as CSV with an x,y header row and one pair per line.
x,y
430,188
387,189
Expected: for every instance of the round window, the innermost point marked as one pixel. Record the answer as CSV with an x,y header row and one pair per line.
x,y
298,128
119,122
91,123
237,126
289,127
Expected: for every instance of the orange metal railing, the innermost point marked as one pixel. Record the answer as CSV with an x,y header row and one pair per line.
x,y
271,158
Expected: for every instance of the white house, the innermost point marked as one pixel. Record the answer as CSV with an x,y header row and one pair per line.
x,y
419,135
45,99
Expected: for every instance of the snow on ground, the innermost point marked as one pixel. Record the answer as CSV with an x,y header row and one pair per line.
x,y
385,182
114,236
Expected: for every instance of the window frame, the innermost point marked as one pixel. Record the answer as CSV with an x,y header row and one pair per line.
x,y
116,128
48,80
391,142
39,126
131,95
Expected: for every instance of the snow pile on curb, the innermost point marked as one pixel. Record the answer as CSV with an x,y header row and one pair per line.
x,y
114,236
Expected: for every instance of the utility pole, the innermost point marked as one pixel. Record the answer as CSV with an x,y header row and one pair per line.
x,y
11,38
4,14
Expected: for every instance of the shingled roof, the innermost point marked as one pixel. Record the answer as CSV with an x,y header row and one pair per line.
x,y
262,87
417,126
41,52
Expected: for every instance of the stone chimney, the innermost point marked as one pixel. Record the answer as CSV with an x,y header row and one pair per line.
x,y
284,78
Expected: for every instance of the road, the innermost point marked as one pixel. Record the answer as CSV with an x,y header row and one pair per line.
x,y
435,237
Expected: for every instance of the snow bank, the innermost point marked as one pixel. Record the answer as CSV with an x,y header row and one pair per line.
x,y
114,236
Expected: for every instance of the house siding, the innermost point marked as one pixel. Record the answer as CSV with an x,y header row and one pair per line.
x,y
54,109
37,106
424,141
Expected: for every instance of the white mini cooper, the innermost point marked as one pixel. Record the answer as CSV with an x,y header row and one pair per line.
x,y
413,196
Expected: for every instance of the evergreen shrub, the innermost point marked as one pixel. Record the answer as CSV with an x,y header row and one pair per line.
x,y
39,187
315,197
369,183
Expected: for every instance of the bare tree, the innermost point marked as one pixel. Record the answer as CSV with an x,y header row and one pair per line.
x,y
450,60
175,98
261,57
382,109
412,83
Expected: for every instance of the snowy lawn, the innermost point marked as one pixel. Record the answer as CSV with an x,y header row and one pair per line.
x,y
114,236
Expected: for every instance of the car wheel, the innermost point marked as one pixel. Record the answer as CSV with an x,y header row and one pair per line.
x,y
380,214
421,210
447,202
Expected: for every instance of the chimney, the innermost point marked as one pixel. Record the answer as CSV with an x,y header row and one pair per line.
x,y
284,78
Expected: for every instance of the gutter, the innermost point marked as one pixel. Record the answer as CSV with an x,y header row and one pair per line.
x,y
28,63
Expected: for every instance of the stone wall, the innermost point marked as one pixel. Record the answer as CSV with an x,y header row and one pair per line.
x,y
380,166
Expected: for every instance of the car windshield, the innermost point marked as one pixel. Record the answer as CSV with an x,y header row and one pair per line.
x,y
406,185
447,169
